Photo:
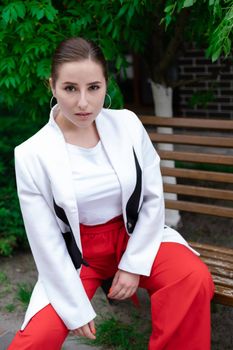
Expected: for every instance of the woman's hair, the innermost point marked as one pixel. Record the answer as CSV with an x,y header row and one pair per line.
x,y
74,50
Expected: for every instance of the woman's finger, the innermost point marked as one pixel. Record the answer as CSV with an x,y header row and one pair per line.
x,y
87,332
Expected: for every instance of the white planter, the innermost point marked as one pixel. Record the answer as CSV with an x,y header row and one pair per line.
x,y
163,108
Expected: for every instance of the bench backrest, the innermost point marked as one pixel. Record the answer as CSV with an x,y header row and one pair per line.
x,y
203,156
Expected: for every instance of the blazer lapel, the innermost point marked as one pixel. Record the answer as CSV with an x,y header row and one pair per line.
x,y
61,177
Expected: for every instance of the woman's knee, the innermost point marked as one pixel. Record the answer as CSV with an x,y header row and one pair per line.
x,y
202,278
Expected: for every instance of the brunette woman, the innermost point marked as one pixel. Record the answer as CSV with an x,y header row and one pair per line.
x,y
91,196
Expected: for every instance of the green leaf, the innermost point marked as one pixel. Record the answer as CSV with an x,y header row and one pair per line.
x,y
20,9
188,3
122,10
169,8
168,19
6,14
130,12
227,46
115,93
229,15
14,10
216,54
50,13
43,68
40,14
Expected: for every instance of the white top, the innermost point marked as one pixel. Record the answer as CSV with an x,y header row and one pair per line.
x,y
97,187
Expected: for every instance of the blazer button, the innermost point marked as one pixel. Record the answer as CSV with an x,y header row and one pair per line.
x,y
130,227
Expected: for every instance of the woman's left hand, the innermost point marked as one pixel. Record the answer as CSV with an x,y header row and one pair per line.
x,y
124,285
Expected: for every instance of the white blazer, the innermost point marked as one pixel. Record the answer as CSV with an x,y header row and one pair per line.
x,y
50,212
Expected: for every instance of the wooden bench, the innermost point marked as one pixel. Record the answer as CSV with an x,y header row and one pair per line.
x,y
203,155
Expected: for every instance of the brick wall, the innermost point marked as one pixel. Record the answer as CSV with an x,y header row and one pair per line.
x,y
193,65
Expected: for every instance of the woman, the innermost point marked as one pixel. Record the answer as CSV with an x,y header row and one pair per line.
x,y
91,196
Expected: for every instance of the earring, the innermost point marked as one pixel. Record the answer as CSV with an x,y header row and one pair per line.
x,y
51,103
110,101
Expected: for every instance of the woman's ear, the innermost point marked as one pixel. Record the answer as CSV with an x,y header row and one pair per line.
x,y
51,86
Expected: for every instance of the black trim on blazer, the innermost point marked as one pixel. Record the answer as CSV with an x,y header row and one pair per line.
x,y
132,207
71,244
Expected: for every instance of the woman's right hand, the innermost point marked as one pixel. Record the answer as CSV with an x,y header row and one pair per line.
x,y
87,331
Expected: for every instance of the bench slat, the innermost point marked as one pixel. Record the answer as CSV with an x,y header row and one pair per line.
x,y
192,140
211,248
217,256
198,191
222,281
223,295
220,271
215,124
197,158
199,208
218,263
198,174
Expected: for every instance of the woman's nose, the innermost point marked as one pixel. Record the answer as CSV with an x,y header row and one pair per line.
x,y
82,101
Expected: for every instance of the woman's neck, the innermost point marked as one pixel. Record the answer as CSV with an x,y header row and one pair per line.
x,y
84,137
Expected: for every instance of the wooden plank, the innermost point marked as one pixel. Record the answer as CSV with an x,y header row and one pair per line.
x,y
197,174
215,124
222,281
196,158
219,271
218,256
218,263
192,140
223,295
211,248
205,192
199,208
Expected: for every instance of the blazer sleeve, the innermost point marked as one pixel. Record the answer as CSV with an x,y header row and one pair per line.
x,y
60,280
148,233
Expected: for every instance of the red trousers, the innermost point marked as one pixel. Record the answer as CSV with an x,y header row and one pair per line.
x,y
180,288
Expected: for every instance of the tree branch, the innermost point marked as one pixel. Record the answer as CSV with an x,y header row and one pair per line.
x,y
174,43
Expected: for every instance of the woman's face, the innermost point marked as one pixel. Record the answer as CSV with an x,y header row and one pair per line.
x,y
80,91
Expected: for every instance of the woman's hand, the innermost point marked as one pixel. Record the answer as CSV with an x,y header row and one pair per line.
x,y
124,285
87,331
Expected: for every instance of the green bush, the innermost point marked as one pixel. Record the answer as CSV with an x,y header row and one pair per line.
x,y
13,131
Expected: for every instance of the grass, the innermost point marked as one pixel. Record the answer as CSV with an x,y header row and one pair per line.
x,y
24,292
10,307
115,334
3,278
5,285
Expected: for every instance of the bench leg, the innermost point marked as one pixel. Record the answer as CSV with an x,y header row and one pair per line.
x,y
180,287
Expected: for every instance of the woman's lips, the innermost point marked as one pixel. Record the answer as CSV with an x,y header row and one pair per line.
x,y
83,115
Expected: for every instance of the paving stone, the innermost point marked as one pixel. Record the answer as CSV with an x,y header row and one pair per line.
x,y
5,339
72,344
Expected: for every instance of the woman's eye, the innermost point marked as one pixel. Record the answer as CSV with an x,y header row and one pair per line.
x,y
94,87
70,88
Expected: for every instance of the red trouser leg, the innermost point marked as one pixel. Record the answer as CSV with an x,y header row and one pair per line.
x,y
45,331
180,287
